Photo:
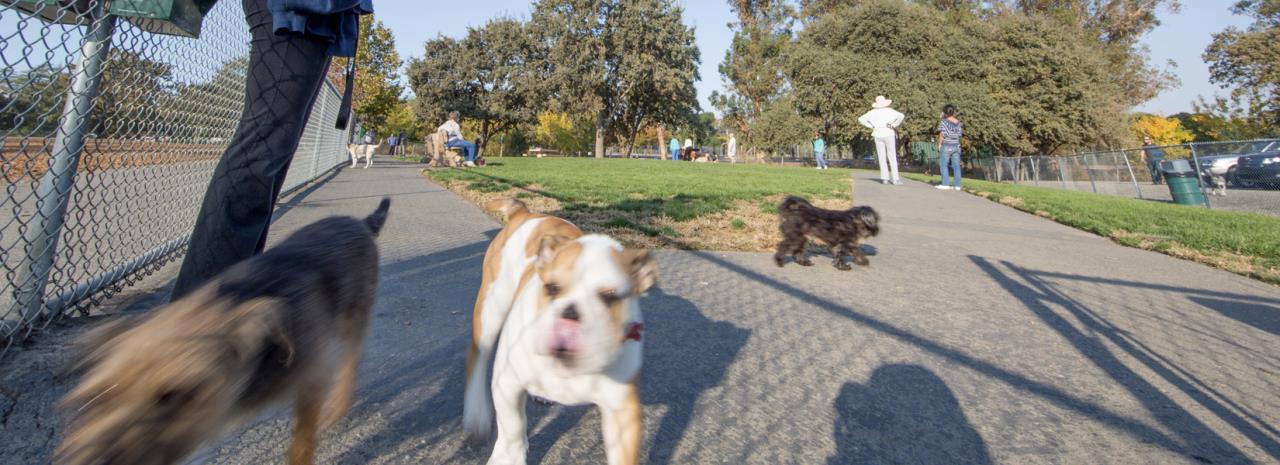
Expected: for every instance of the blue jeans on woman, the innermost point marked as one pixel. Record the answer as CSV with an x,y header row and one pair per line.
x,y
950,154
468,148
821,159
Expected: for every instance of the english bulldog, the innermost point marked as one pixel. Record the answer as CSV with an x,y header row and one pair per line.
x,y
566,305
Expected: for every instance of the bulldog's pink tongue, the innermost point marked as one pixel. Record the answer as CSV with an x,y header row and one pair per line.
x,y
564,336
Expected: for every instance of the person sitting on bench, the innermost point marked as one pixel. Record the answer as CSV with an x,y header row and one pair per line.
x,y
455,139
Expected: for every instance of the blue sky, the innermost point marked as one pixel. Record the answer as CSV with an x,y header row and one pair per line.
x,y
1181,38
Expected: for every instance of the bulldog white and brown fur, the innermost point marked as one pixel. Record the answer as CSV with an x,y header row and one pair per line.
x,y
566,305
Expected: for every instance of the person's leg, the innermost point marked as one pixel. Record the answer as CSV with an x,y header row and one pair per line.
x,y
468,148
880,157
284,76
891,152
942,168
955,166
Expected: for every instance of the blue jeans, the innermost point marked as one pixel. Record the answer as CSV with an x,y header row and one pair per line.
x,y
468,148
950,155
821,158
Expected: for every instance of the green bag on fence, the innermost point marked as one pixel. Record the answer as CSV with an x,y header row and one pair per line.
x,y
170,17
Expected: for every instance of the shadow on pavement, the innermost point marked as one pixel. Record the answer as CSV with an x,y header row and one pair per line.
x,y
1093,342
1135,428
1264,317
905,414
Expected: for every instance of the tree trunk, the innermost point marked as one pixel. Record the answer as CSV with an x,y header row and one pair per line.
x,y
600,120
662,142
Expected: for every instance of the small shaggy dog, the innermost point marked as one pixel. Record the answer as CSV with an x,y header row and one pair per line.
x,y
285,325
842,230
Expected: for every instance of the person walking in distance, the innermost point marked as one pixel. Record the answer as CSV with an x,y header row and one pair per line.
x,y
883,120
1153,155
674,145
688,149
400,142
949,132
286,70
732,150
820,150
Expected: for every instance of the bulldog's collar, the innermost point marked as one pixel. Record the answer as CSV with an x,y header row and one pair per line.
x,y
633,331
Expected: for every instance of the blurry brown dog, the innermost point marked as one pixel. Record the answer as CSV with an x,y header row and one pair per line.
x,y
843,230
286,324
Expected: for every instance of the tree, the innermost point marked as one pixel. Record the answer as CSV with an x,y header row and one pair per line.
x,y
1023,83
377,83
490,76
621,61
752,67
657,69
563,133
1163,131
780,126
1249,60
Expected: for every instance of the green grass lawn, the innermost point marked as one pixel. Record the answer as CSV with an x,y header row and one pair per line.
x,y
656,198
1245,243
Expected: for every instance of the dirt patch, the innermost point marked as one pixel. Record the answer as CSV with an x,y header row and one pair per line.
x,y
750,226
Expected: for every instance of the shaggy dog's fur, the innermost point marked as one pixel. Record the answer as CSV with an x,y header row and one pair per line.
x,y
843,230
285,325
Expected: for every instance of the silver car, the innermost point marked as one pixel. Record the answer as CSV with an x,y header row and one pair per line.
x,y
1224,166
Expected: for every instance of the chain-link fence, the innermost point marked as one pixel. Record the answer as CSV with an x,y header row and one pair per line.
x,y
110,137
1231,175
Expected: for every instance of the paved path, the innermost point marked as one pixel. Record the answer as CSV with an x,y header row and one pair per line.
x,y
978,335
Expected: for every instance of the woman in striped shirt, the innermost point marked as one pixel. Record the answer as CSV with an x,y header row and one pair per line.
x,y
949,132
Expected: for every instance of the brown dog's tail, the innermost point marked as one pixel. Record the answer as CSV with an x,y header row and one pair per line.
x,y
793,203
378,218
507,207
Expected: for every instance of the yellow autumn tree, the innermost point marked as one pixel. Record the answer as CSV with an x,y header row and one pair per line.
x,y
561,132
1164,131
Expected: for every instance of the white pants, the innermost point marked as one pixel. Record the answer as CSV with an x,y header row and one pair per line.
x,y
887,148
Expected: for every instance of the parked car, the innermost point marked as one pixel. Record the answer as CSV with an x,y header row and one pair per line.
x,y
1225,167
1221,166
1258,169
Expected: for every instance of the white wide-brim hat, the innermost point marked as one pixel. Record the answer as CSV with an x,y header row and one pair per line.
x,y
881,102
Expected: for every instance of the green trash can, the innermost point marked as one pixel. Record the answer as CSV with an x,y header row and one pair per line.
x,y
1183,183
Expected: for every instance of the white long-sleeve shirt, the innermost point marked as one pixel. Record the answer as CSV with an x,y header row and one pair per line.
x,y
451,129
882,121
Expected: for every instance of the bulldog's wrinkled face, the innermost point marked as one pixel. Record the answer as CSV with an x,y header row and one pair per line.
x,y
588,299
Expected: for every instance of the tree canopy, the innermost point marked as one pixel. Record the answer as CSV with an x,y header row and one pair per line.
x,y
1249,60
628,63
490,76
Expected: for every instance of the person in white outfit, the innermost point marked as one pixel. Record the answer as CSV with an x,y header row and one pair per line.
x,y
688,149
883,120
732,151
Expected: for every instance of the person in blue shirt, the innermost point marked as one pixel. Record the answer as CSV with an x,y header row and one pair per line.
x,y
674,145
1152,155
289,51
820,150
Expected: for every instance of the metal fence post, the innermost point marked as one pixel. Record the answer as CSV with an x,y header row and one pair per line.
x,y
54,191
1089,171
1195,165
1035,170
1131,175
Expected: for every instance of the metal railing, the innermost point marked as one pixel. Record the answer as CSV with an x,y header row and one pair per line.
x,y
1232,175
110,137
